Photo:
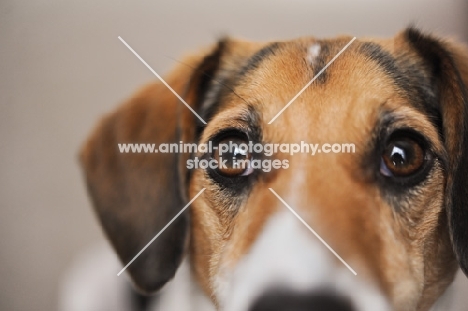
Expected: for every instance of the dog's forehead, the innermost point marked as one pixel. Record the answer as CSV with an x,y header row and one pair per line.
x,y
284,67
352,86
365,79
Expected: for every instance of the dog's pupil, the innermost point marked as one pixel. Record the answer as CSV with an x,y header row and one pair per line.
x,y
403,157
235,160
398,156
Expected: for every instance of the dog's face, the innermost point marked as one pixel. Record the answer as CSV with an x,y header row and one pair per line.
x,y
395,210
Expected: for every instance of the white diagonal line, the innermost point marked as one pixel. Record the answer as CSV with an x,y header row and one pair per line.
x,y
313,79
160,232
161,79
312,230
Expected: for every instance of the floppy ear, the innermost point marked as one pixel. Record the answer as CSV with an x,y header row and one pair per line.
x,y
136,194
447,64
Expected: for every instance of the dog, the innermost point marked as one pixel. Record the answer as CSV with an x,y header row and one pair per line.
x,y
395,211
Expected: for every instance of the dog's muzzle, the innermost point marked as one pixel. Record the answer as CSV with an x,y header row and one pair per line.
x,y
288,268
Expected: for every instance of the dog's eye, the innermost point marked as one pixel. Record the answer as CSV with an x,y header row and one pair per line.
x,y
233,157
402,157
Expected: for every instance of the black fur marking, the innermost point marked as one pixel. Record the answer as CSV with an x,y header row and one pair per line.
x,y
411,79
229,82
203,77
209,111
321,61
446,76
205,72
459,215
256,59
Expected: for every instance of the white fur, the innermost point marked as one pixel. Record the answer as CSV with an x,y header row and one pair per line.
x,y
183,294
313,52
287,255
92,284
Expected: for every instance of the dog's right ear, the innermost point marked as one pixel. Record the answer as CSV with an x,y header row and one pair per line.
x,y
446,64
136,194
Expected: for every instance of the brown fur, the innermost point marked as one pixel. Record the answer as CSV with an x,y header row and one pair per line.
x,y
408,252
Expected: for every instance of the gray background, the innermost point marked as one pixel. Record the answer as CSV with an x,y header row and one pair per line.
x,y
62,67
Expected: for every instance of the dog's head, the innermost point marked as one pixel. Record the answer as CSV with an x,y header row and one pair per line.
x,y
396,210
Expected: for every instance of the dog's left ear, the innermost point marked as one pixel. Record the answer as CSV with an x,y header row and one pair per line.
x,y
447,65
136,194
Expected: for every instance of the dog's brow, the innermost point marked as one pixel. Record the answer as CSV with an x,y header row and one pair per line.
x,y
229,83
410,79
212,77
256,59
250,123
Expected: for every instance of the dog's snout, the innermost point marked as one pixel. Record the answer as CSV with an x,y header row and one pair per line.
x,y
284,300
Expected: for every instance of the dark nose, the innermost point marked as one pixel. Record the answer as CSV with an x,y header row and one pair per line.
x,y
287,301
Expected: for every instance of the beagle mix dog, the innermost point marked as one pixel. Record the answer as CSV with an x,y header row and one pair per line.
x,y
396,210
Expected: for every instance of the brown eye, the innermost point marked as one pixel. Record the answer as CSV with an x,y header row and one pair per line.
x,y
233,157
402,157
